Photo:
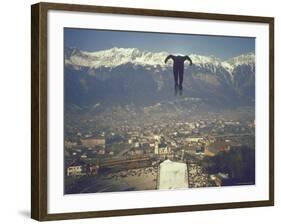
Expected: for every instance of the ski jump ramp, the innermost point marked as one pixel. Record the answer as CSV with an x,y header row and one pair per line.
x,y
172,175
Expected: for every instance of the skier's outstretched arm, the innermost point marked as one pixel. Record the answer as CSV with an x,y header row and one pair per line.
x,y
189,59
168,57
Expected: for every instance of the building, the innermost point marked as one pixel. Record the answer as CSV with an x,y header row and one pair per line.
x,y
161,149
92,169
75,168
92,142
156,148
194,139
157,137
69,144
101,151
172,175
84,156
218,146
200,150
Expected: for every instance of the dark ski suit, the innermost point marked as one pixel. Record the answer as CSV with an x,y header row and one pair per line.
x,y
178,67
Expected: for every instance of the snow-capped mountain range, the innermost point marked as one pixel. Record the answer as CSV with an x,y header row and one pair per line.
x,y
133,75
114,57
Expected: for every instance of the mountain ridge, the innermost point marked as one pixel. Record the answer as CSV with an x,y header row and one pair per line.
x,y
114,57
126,75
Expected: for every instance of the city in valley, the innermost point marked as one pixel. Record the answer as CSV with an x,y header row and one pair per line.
x,y
106,154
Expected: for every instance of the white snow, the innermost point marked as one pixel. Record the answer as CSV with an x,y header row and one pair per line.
x,y
200,59
242,59
114,57
172,175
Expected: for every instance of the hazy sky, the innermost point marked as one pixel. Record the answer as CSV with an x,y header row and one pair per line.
x,y
220,46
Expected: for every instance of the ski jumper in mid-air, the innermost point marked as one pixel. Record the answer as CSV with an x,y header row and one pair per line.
x,y
178,68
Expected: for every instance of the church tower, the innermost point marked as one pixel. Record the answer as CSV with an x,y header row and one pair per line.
x,y
156,148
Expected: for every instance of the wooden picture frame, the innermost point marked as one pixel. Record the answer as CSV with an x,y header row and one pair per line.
x,y
39,110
